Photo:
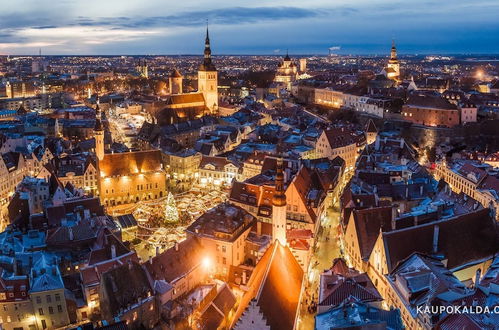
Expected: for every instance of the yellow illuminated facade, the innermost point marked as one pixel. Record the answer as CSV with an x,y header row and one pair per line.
x,y
393,67
131,177
287,72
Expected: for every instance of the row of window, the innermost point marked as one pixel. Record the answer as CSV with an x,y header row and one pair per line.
x,y
50,310
48,298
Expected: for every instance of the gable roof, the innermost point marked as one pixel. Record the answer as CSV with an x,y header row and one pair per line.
x,y
186,98
350,287
462,240
175,262
370,127
124,286
368,223
121,164
218,309
339,137
275,284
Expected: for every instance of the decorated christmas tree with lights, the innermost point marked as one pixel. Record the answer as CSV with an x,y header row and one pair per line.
x,y
171,212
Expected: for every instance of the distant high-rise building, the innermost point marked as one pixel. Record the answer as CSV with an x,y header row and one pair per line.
x,y
303,65
20,89
208,77
39,64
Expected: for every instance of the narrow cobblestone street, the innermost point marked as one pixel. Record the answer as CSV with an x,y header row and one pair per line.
x,y
326,249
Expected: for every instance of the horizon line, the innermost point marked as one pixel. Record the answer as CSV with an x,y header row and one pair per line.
x,y
267,54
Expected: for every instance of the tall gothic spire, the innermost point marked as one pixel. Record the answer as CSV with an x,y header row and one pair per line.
x,y
279,198
207,65
98,116
207,48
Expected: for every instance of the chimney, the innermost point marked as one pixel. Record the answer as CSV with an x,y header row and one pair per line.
x,y
436,230
130,265
71,235
407,192
113,251
421,190
401,143
244,277
477,276
157,251
150,260
176,246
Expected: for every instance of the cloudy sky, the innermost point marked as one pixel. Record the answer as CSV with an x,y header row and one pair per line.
x,y
248,27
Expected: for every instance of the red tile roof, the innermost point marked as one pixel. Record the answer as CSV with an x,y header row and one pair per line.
x,y
275,284
122,164
174,263
349,287
340,137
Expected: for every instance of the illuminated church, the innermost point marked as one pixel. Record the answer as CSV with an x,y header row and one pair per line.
x,y
287,72
392,69
186,106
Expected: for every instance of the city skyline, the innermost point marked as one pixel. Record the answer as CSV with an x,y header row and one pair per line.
x,y
112,28
200,165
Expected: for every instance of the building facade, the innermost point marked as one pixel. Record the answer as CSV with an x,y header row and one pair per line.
x,y
131,177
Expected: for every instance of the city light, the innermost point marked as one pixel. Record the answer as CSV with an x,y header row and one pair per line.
x,y
284,187
207,264
479,74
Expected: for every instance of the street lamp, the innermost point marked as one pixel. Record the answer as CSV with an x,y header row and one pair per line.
x,y
206,263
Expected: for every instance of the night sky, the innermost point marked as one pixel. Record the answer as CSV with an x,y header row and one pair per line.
x,y
108,27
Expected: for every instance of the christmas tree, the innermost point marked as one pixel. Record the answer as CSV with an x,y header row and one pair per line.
x,y
171,212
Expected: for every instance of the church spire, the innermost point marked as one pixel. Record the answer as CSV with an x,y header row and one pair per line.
x,y
207,48
279,205
207,40
98,116
207,65
393,53
279,198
